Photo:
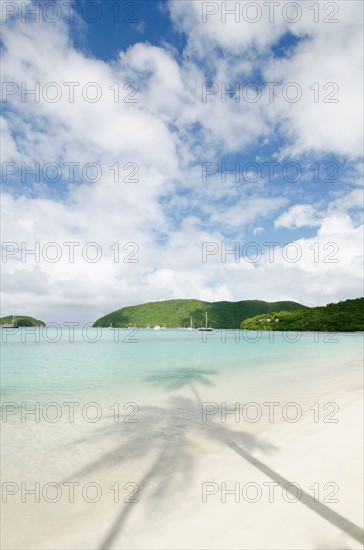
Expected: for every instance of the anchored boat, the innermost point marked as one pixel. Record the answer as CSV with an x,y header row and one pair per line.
x,y
206,328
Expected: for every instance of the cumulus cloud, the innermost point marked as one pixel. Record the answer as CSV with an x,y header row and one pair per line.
x,y
327,118
325,66
229,25
300,215
159,208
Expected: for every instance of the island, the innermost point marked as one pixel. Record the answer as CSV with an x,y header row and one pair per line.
x,y
191,313
346,316
15,321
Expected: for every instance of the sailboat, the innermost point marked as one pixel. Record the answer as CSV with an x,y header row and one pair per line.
x,y
206,328
10,325
191,327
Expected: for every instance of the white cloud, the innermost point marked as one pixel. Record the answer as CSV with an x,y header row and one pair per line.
x,y
236,34
327,53
170,212
247,211
300,215
328,117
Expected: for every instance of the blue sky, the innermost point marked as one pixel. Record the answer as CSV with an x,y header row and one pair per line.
x,y
173,145
130,23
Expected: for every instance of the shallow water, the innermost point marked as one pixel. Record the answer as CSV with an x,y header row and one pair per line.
x,y
118,362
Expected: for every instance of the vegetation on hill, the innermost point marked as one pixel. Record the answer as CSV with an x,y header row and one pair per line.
x,y
345,316
21,321
176,313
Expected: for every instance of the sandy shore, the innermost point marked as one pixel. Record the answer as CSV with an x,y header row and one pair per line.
x,y
180,484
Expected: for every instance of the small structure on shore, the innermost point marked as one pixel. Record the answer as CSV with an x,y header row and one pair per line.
x,y
10,325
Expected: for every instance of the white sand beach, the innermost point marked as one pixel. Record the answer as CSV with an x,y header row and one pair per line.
x,y
190,465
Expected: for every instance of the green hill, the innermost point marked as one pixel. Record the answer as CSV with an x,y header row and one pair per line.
x,y
21,321
175,313
345,316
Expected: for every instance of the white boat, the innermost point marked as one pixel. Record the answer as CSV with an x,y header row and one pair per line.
x,y
206,328
157,327
191,327
10,325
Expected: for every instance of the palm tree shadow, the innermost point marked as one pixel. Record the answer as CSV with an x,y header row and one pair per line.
x,y
173,380
166,431
173,467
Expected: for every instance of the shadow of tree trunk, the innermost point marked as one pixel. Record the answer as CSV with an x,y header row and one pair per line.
x,y
195,393
321,509
124,513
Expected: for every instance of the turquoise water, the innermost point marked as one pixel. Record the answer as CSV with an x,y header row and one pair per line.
x,y
120,362
155,378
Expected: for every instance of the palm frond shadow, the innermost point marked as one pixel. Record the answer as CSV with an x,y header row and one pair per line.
x,y
182,377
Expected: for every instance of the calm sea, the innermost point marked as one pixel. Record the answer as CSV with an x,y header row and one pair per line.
x,y
97,365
